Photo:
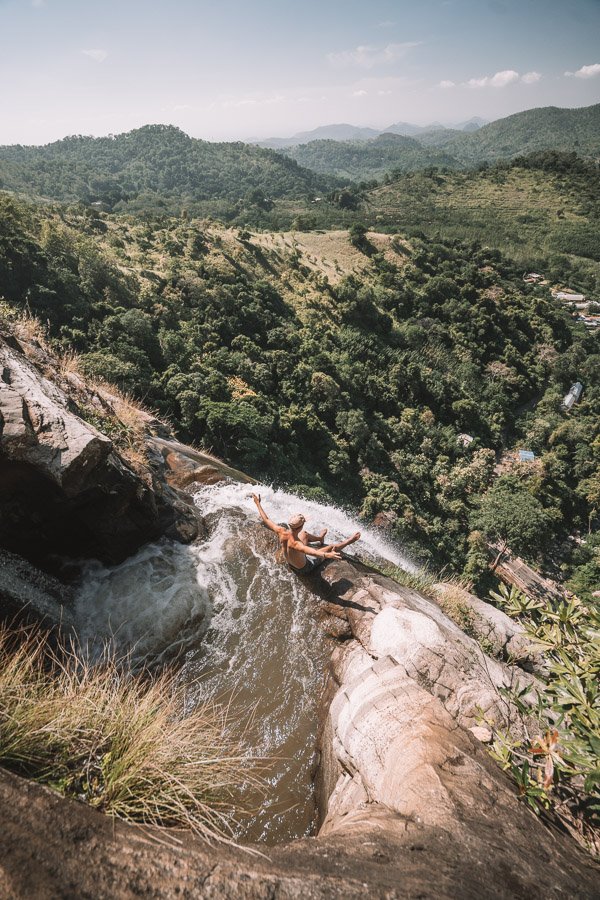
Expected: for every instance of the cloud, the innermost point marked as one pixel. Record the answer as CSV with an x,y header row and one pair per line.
x,y
360,93
501,79
585,72
37,4
387,23
447,84
367,57
97,55
383,93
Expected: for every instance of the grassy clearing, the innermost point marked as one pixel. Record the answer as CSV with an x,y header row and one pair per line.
x,y
527,214
118,741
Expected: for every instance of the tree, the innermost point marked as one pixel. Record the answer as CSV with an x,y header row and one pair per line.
x,y
512,517
358,238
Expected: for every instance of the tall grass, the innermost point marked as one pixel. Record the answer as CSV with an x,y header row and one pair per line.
x,y
118,741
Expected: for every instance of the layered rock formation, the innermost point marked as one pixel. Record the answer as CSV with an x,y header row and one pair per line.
x,y
64,487
408,692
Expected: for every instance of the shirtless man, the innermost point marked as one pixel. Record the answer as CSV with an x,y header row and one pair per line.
x,y
296,542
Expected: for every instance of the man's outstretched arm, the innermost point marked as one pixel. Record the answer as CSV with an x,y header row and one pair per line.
x,y
276,528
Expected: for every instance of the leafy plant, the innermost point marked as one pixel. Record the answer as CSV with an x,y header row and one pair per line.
x,y
559,767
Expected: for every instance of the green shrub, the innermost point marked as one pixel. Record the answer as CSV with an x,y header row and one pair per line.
x,y
559,767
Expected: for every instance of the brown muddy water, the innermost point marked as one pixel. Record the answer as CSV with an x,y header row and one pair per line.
x,y
246,628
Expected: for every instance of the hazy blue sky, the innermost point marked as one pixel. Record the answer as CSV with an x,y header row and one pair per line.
x,y
233,69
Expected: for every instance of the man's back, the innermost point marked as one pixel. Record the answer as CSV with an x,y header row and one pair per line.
x,y
294,557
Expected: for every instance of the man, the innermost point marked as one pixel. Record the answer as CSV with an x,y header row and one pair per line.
x,y
296,542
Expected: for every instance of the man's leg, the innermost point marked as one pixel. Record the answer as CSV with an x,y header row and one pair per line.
x,y
307,538
341,544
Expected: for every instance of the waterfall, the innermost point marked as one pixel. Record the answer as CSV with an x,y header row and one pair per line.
x,y
245,626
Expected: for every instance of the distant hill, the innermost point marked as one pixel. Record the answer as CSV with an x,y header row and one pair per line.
x,y
406,129
405,147
473,124
157,167
417,130
342,132
345,132
368,160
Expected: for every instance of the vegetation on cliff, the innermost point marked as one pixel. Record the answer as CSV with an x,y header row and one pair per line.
x,y
116,740
558,765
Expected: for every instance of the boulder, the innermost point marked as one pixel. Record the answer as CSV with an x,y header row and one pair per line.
x,y
38,430
409,704
502,636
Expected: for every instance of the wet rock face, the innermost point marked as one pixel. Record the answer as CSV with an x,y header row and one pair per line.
x,y
28,595
63,488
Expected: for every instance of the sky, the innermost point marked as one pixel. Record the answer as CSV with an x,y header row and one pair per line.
x,y
240,70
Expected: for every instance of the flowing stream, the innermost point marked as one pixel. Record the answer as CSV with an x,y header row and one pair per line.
x,y
246,626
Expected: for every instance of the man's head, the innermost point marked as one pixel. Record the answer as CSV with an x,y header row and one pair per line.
x,y
296,522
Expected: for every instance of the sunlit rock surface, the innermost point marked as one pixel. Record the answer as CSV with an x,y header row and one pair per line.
x,y
398,757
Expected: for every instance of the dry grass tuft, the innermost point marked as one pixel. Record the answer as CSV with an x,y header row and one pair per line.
x,y
118,741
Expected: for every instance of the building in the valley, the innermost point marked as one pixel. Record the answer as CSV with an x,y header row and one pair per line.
x,y
573,396
568,297
589,321
526,456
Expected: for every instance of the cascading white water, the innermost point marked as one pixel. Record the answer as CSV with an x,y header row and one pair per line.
x,y
246,624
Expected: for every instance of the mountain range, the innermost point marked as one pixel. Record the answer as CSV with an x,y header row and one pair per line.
x,y
345,132
160,168
548,128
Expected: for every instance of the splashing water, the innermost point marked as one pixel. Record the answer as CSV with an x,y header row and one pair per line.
x,y
247,626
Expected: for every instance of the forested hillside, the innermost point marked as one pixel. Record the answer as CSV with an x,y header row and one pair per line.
x,y
356,390
535,130
546,128
365,160
543,210
157,168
